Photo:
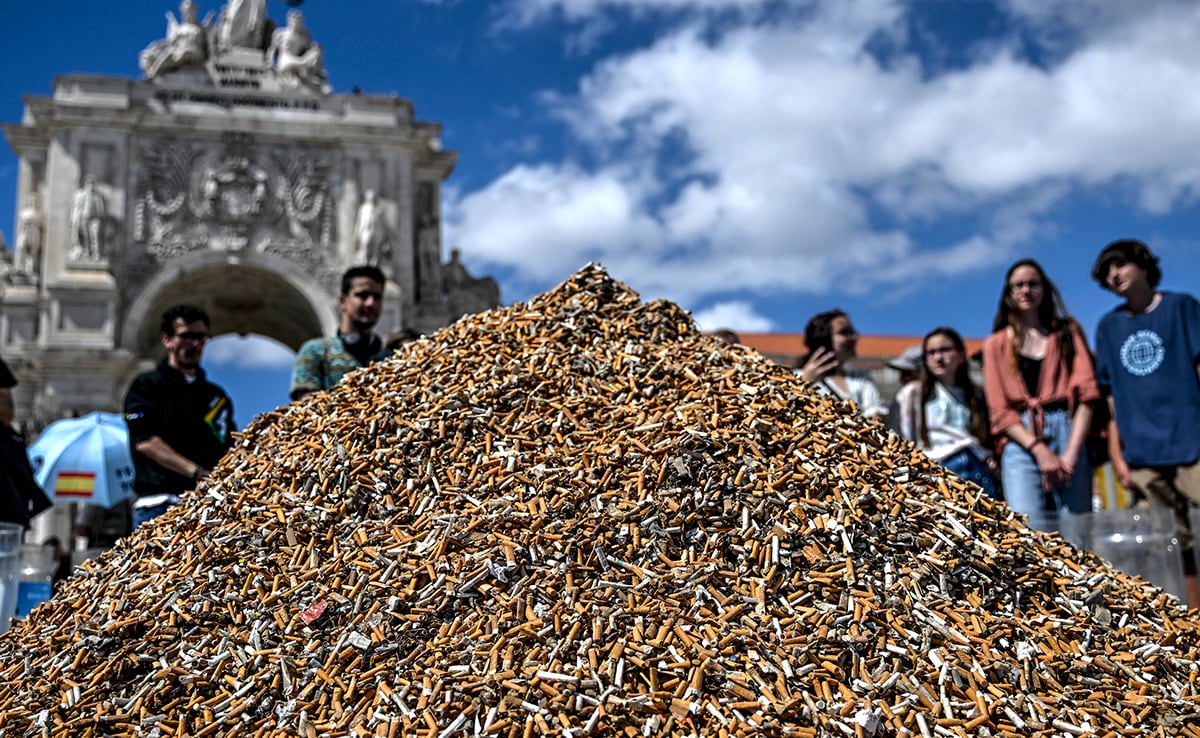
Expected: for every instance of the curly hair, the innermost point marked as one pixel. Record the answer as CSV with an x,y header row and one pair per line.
x,y
189,314
1127,251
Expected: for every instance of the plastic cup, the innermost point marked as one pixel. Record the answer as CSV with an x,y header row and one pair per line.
x,y
10,565
1140,541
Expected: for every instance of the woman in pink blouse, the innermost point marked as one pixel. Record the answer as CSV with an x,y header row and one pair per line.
x,y
1039,384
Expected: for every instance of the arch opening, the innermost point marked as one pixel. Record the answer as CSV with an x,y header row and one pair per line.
x,y
241,299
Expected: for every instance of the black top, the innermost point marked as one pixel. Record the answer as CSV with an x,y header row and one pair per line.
x,y
194,418
20,496
1031,371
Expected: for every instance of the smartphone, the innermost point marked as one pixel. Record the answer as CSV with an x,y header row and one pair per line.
x,y
819,340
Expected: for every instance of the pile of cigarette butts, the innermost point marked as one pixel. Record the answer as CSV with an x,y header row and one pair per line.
x,y
581,516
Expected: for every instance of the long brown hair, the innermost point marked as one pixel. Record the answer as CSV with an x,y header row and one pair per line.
x,y
962,380
819,328
1052,316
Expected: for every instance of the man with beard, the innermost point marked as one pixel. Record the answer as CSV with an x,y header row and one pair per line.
x,y
322,362
180,424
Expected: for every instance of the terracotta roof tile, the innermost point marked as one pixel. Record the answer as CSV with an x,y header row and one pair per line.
x,y
869,347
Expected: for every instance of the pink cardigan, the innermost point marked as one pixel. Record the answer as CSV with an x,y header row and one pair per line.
x,y
1007,396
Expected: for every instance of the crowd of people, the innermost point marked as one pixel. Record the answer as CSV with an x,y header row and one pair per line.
x,y
181,424
1050,407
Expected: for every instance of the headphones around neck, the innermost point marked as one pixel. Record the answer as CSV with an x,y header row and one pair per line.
x,y
354,339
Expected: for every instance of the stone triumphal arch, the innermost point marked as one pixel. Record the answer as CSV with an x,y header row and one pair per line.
x,y
228,176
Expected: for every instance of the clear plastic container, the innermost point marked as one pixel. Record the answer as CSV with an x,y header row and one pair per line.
x,y
10,565
1140,541
36,583
1194,521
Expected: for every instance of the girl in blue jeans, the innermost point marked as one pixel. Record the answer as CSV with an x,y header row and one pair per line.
x,y
1022,478
944,413
1040,386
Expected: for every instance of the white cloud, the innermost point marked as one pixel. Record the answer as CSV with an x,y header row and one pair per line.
x,y
248,352
738,315
529,213
1006,124
783,157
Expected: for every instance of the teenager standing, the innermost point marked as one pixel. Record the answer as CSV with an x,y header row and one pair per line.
x,y
1039,384
944,413
1147,353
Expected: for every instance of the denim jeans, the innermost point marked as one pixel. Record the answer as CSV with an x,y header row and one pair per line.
x,y
968,466
1022,480
143,514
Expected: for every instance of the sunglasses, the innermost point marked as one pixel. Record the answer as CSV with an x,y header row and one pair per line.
x,y
193,336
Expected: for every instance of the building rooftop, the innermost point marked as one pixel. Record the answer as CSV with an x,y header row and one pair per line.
x,y
786,347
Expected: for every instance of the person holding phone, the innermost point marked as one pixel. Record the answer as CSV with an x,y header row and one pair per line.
x,y
832,342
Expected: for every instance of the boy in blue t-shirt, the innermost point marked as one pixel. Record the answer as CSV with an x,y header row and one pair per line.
x,y
1147,353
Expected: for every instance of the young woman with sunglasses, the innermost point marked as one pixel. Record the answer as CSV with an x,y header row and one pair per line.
x,y
1040,386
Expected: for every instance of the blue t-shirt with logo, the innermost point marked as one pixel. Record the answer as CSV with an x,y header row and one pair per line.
x,y
1148,363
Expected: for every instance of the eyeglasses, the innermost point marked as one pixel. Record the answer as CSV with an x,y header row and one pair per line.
x,y
193,336
1033,284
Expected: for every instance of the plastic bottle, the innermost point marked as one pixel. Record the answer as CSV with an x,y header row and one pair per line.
x,y
10,558
36,583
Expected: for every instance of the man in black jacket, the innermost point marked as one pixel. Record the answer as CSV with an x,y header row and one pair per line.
x,y
180,424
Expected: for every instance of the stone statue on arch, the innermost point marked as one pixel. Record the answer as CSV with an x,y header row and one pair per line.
x,y
186,44
31,226
89,223
298,61
371,236
244,24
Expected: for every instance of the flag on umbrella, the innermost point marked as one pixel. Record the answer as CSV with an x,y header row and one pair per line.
x,y
80,485
84,459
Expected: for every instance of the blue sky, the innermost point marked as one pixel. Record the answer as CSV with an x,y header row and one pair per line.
x,y
756,162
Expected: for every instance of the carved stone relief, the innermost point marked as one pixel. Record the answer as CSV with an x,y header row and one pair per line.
x,y
239,196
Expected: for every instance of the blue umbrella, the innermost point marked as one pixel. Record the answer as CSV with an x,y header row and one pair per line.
x,y
84,459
